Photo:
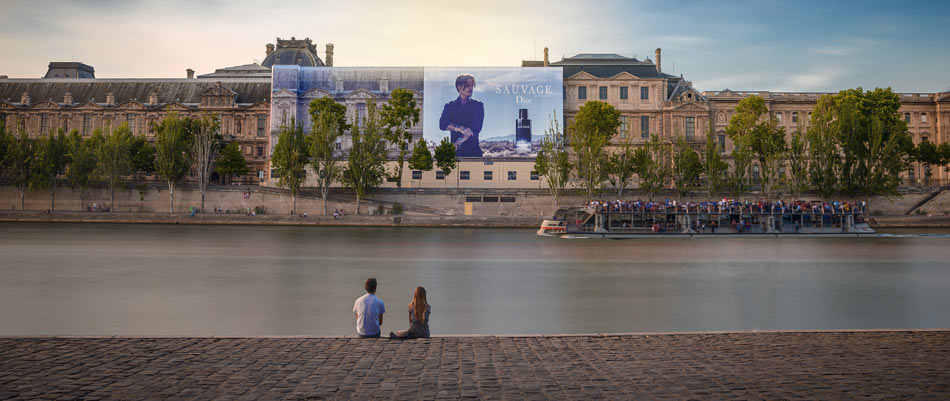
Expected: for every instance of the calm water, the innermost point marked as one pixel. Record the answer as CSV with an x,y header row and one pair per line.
x,y
234,280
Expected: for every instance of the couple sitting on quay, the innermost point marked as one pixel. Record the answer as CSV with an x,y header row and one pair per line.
x,y
369,311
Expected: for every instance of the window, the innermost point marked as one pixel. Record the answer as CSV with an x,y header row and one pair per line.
x,y
261,121
645,127
260,151
582,92
794,116
924,139
473,198
910,175
463,175
65,124
512,175
623,127
151,126
360,113
86,124
923,118
755,173
644,93
44,123
283,117
339,143
492,199
488,176
690,128
778,116
722,143
602,92
417,174
130,120
535,176
623,93
248,150
507,199
907,118
439,175
237,126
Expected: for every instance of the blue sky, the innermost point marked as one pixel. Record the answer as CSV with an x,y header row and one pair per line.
x,y
741,45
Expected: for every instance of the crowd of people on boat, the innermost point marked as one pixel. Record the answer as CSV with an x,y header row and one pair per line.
x,y
725,205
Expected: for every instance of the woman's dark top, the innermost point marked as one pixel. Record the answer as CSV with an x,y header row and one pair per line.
x,y
418,329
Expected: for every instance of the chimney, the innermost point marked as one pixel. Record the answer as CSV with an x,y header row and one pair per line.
x,y
191,73
329,60
153,98
25,98
270,49
68,98
658,69
546,63
110,99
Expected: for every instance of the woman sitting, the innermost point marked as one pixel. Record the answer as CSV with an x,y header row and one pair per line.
x,y
418,318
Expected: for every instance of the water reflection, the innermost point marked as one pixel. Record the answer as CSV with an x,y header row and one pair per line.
x,y
243,280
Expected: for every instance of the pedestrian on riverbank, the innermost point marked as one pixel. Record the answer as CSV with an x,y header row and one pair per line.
x,y
369,311
419,311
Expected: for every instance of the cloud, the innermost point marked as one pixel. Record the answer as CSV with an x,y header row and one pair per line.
x,y
818,79
835,50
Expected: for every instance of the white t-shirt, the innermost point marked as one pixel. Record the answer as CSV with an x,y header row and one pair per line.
x,y
368,308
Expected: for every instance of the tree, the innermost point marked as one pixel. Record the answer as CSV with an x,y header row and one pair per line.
x,y
621,167
231,162
143,155
366,158
323,152
823,152
115,161
714,167
49,163
397,117
445,157
552,161
652,167
172,141
944,151
421,158
797,155
327,106
18,162
593,127
927,154
205,147
81,171
290,159
770,147
758,138
687,167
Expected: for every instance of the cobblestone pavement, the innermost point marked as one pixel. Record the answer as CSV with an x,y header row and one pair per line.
x,y
766,365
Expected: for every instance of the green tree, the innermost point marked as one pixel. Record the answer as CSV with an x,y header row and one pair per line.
x,y
365,164
758,137
622,166
327,106
18,162
715,169
553,162
797,179
421,158
115,160
143,155
823,153
652,167
927,154
290,159
81,171
206,142
323,153
172,141
944,151
49,163
397,118
445,157
687,168
591,130
231,163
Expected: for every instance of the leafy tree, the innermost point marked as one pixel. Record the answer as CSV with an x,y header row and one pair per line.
x,y
366,158
593,127
770,149
206,142
49,163
421,158
758,137
445,157
652,167
798,151
290,159
143,155
18,162
927,154
172,142
622,166
81,171
714,167
741,177
687,167
5,139
323,152
397,117
944,151
326,105
231,162
823,152
552,161
115,161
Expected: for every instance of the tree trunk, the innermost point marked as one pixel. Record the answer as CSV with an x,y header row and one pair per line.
x,y
22,196
112,197
203,197
171,197
357,203
326,191
52,198
294,196
81,196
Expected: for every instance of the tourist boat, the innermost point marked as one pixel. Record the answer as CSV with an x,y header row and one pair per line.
x,y
707,219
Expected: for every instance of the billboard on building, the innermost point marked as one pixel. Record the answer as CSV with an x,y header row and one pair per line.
x,y
491,111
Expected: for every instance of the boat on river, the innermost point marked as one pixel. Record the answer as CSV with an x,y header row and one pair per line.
x,y
622,219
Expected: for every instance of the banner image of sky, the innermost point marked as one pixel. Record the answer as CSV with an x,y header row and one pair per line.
x,y
504,92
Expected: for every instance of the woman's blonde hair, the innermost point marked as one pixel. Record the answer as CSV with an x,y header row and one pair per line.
x,y
419,304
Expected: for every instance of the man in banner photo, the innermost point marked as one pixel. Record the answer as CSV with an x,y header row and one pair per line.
x,y
463,118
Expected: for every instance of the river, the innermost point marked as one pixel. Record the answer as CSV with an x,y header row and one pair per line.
x,y
139,279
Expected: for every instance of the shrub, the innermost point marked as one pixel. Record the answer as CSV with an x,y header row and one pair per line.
x,y
397,208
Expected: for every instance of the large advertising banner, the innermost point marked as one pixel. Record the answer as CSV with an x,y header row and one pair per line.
x,y
491,111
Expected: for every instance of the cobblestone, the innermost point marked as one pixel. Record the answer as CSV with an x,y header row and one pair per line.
x,y
764,365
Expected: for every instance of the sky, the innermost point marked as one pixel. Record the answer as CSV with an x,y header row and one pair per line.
x,y
740,45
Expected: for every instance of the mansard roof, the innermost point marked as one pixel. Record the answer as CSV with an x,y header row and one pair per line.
x,y
369,79
252,70
607,65
186,91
